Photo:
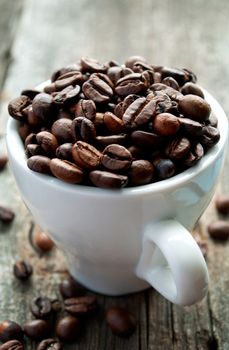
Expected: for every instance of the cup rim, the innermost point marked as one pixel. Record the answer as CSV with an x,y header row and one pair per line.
x,y
17,154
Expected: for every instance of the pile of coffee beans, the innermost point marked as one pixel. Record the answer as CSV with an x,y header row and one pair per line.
x,y
112,125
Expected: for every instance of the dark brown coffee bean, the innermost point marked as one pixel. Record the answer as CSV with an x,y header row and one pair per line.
x,y
165,168
191,89
30,139
169,81
98,88
47,141
6,215
49,344
24,130
43,106
166,124
3,161
33,120
139,112
86,155
113,123
178,148
68,328
66,171
10,330
81,305
116,158
12,345
92,66
41,307
64,151
134,83
43,241
222,204
180,75
67,96
86,109
163,103
195,155
62,82
64,70
104,141
210,136
37,329
172,93
141,172
83,129
219,230
194,107
70,288
191,128
61,129
136,152
30,93
146,139
133,59
16,106
22,270
40,164
106,179
118,72
141,67
33,150
121,321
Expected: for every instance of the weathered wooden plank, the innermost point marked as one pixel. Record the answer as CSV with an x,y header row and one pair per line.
x,y
176,33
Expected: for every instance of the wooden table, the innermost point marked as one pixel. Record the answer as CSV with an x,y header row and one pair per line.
x,y
38,36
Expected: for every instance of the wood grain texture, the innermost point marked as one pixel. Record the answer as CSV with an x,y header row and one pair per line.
x,y
174,33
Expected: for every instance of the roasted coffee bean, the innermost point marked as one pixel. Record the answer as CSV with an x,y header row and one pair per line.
x,y
116,158
81,305
62,82
12,345
49,344
43,106
172,93
98,88
222,204
163,103
210,136
118,72
33,150
43,241
61,129
139,112
37,329
141,172
122,106
30,93
48,141
134,83
121,321
64,151
3,161
191,128
169,81
165,168
10,330
133,59
92,66
41,307
30,139
141,67
178,148
22,270
146,139
6,215
106,179
40,164
180,75
33,120
16,106
67,96
219,230
113,123
83,129
68,328
86,109
66,171
70,288
192,89
86,155
195,155
166,124
194,107
64,70
24,130
104,141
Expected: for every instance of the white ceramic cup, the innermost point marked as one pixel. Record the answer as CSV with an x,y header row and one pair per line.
x,y
123,241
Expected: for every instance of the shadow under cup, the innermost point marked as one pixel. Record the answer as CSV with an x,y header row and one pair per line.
x,y
102,231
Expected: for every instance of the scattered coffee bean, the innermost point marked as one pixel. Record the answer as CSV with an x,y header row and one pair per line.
x,y
43,241
40,164
81,305
222,204
49,344
10,330
194,107
219,230
12,345
3,161
66,171
69,288
67,328
22,270
121,321
6,215
41,307
37,329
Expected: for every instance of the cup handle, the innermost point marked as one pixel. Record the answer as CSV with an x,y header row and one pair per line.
x,y
172,263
